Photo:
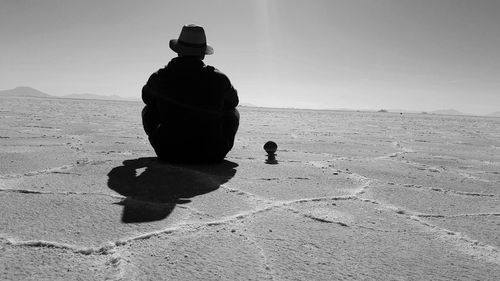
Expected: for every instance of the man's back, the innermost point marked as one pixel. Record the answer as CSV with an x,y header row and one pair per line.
x,y
190,100
186,84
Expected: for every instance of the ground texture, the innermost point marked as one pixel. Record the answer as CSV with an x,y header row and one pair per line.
x,y
354,196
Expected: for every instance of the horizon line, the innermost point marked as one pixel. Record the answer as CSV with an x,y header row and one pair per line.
x,y
248,104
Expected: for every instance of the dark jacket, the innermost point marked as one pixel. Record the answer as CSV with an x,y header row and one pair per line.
x,y
190,99
190,82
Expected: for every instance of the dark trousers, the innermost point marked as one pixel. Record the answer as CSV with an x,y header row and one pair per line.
x,y
211,147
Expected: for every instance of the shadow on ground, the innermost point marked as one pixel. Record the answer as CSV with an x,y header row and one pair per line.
x,y
153,188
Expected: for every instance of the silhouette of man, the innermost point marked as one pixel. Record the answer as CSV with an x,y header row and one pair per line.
x,y
190,114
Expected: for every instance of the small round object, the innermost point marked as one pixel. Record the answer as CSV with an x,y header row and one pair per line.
x,y
270,147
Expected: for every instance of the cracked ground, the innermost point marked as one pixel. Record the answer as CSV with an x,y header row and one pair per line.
x,y
354,196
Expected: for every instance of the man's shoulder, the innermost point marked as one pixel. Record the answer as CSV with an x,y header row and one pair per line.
x,y
215,70
157,75
219,75
161,71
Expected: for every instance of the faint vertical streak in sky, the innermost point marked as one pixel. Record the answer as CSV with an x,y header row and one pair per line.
x,y
264,40
263,23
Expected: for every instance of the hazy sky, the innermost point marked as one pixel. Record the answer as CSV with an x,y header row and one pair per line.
x,y
417,55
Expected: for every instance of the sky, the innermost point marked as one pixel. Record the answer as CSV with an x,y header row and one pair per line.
x,y
323,54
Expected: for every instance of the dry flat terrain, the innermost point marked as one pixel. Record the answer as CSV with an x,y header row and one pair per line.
x,y
355,196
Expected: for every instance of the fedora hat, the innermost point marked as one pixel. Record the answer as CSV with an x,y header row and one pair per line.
x,y
192,42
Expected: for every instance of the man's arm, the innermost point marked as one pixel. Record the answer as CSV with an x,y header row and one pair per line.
x,y
149,90
230,95
231,99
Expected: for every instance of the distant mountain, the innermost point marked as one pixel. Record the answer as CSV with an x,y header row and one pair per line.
x,y
24,92
494,114
447,112
31,92
96,97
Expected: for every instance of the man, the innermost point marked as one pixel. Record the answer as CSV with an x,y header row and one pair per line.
x,y
190,114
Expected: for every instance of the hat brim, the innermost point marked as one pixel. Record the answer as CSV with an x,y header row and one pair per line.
x,y
190,51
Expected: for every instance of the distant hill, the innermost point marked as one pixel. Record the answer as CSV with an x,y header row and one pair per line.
x,y
24,92
447,112
31,92
494,114
96,97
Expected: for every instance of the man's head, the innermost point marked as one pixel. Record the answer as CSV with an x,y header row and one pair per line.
x,y
192,42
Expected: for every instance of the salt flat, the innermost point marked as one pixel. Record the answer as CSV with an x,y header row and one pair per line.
x,y
355,196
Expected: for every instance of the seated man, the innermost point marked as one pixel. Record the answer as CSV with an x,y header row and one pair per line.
x,y
190,114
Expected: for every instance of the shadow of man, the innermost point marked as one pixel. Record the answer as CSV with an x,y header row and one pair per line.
x,y
153,188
